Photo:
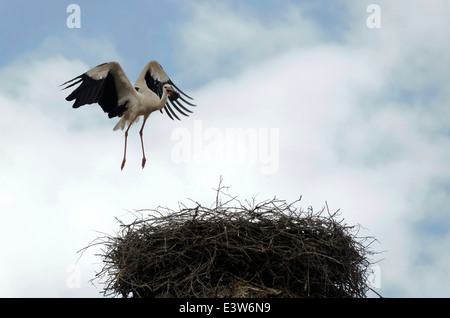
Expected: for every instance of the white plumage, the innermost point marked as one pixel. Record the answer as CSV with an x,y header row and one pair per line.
x,y
108,85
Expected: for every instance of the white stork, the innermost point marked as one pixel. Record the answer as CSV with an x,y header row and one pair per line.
x,y
107,85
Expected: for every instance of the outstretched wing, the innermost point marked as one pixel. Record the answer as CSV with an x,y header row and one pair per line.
x,y
105,84
155,77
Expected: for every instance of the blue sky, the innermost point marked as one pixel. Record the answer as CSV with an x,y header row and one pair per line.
x,y
294,98
25,26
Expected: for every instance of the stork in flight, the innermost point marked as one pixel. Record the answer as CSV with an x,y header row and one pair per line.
x,y
107,85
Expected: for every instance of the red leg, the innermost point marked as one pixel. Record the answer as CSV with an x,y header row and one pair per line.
x,y
125,149
142,143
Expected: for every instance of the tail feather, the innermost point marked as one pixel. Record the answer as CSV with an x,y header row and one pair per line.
x,y
123,122
120,125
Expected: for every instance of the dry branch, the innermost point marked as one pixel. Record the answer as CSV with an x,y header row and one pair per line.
x,y
265,249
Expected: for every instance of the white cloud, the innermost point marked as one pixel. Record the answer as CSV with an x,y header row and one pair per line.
x,y
218,39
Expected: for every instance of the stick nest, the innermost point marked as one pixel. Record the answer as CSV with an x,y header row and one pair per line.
x,y
265,249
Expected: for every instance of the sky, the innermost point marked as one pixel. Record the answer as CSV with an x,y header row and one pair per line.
x,y
342,102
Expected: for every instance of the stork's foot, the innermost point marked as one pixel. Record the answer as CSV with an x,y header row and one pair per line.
x,y
143,162
123,164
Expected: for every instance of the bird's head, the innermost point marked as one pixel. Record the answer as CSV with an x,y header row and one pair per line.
x,y
168,89
173,94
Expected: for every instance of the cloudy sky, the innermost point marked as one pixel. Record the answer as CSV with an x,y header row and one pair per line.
x,y
318,99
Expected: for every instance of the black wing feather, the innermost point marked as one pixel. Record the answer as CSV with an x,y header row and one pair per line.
x,y
172,83
90,91
174,104
167,112
168,109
